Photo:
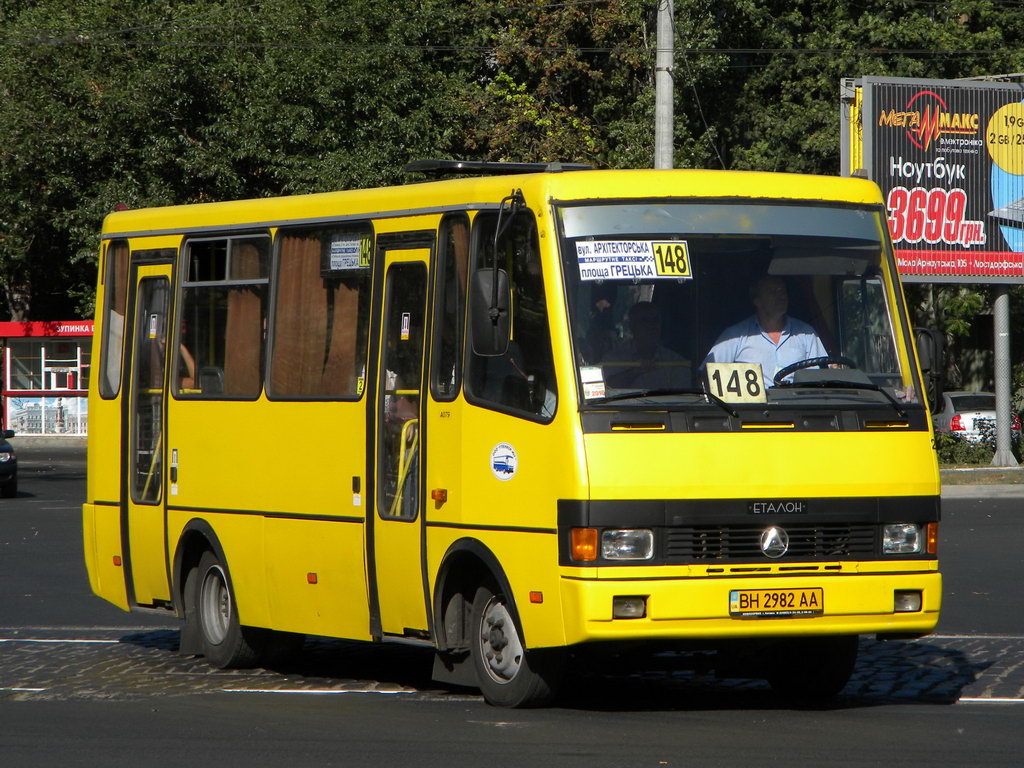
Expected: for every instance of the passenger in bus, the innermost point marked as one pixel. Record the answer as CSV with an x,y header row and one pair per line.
x,y
641,361
186,368
770,336
601,333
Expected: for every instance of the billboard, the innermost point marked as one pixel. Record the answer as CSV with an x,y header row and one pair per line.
x,y
949,158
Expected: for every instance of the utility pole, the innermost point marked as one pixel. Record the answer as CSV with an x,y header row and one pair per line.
x,y
663,64
1003,372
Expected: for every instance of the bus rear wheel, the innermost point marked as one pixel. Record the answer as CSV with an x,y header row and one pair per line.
x,y
224,642
506,674
813,670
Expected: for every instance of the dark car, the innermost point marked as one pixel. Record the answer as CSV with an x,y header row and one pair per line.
x,y
8,467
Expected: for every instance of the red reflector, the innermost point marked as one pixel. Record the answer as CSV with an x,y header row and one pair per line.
x,y
312,578
536,597
117,560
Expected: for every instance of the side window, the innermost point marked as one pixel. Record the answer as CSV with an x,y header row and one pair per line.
x,y
222,322
450,307
322,313
115,286
523,379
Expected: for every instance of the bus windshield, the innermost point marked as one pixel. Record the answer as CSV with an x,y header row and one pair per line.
x,y
669,301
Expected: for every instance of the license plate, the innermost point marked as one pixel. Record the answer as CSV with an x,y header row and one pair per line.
x,y
772,603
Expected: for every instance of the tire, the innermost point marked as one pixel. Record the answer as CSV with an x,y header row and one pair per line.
x,y
223,642
9,489
813,670
506,674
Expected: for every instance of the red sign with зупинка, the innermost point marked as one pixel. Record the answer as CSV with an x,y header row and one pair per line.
x,y
949,158
45,328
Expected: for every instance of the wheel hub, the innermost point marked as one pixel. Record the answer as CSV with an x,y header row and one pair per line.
x,y
500,645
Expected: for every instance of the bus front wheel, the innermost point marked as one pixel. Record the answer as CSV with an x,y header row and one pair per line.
x,y
225,643
506,674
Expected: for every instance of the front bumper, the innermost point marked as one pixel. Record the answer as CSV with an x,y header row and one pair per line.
x,y
698,608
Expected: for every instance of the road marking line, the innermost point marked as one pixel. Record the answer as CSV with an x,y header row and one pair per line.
x,y
316,691
973,637
56,641
86,629
989,700
23,690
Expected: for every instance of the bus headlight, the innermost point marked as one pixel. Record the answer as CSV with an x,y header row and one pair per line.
x,y
901,539
627,544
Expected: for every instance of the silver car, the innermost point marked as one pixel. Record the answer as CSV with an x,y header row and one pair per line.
x,y
971,416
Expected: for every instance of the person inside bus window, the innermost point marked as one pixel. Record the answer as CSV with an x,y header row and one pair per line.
x,y
641,361
601,332
770,336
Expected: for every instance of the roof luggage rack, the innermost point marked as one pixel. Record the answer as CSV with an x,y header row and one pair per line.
x,y
488,168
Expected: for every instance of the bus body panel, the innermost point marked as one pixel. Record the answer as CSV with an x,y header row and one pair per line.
x,y
241,539
780,464
536,591
101,528
318,569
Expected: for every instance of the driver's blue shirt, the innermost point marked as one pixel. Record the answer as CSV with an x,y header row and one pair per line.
x,y
747,342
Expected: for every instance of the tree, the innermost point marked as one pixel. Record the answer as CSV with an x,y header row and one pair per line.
x,y
152,105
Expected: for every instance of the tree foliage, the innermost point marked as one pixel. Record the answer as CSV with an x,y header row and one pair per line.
x,y
152,103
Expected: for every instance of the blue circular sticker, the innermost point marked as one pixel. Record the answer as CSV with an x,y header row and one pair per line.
x,y
504,461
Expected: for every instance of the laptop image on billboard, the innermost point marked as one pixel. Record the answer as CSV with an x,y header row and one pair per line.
x,y
1011,214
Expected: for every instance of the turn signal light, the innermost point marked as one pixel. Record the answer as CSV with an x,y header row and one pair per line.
x,y
584,544
932,538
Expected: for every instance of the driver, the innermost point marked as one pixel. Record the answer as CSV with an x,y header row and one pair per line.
x,y
769,336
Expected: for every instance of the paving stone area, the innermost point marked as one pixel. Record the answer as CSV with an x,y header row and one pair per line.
x,y
125,665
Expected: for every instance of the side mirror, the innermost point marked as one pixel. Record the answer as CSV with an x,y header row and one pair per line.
x,y
932,359
489,324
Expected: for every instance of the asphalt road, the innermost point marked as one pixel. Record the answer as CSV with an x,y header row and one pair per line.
x,y
84,684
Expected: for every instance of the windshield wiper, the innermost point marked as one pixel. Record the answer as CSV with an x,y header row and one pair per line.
x,y
841,384
712,399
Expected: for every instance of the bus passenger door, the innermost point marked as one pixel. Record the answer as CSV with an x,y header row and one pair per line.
x,y
398,587
142,442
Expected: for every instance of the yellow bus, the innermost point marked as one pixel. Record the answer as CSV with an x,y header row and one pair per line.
x,y
517,417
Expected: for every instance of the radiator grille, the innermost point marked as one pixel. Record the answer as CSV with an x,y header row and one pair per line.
x,y
806,542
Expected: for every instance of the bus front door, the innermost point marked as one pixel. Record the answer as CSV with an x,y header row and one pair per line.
x,y
398,590
142,443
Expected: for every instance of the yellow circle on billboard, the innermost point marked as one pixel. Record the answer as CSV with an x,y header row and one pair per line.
x,y
1004,138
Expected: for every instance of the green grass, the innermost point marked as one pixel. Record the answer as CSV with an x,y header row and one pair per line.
x,y
962,474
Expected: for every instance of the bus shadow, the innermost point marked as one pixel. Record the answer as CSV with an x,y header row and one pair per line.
x,y
321,661
887,673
